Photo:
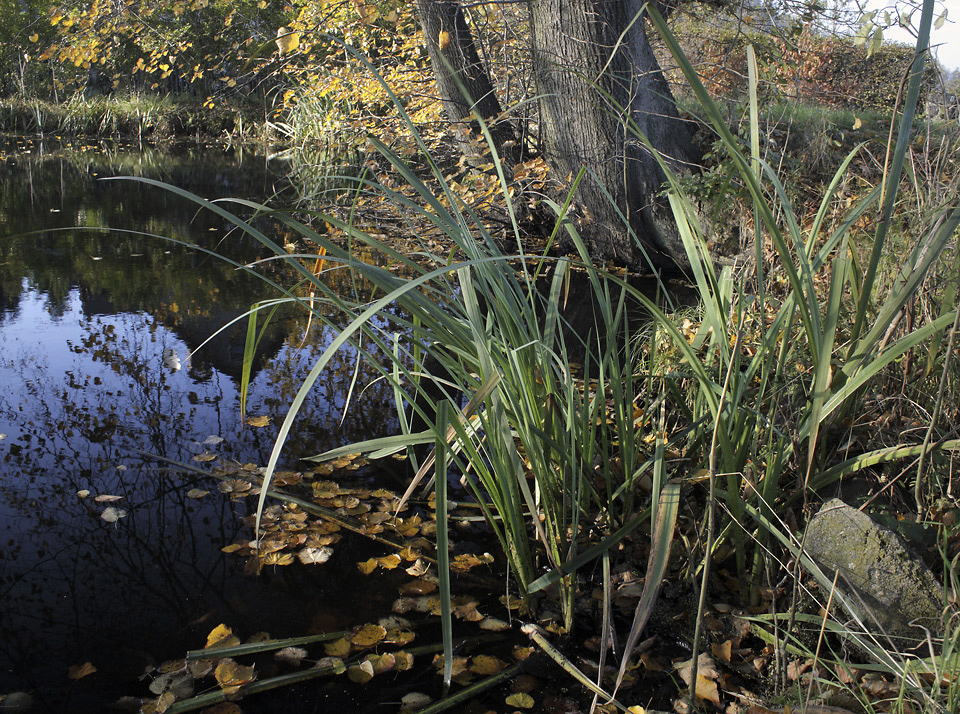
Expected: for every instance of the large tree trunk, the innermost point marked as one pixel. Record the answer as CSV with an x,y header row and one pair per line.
x,y
464,83
595,71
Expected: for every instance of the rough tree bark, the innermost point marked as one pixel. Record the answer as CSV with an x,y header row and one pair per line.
x,y
595,71
462,78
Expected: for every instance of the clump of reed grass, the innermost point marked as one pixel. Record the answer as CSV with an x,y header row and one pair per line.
x,y
474,344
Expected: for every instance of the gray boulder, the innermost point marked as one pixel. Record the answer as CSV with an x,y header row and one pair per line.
x,y
885,584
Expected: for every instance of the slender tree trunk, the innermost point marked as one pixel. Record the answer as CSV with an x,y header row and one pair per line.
x,y
596,72
464,83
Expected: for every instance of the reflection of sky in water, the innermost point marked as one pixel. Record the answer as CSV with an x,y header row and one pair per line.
x,y
82,388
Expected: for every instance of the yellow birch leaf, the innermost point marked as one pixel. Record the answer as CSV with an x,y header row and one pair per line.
x,y
369,635
360,673
221,636
231,676
521,700
337,648
367,566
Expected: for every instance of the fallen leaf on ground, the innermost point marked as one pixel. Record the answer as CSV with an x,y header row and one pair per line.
x,y
706,688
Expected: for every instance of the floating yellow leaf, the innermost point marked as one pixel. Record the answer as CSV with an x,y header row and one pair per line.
x,y
337,648
381,663
165,701
258,421
231,676
486,665
492,624
418,587
204,457
521,700
404,661
79,671
369,635
367,566
278,558
360,673
221,636
399,637
389,562
196,493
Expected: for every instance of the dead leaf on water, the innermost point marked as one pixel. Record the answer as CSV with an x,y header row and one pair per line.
x,y
314,556
389,562
79,671
83,493
112,515
221,636
486,665
259,421
368,635
238,487
106,498
337,648
492,624
290,655
367,566
360,673
521,700
404,661
399,637
196,493
418,587
204,457
231,676
277,558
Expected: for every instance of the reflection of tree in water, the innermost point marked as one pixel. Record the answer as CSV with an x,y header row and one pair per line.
x,y
98,310
161,564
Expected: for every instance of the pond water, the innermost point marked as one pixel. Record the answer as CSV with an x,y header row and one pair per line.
x,y
98,315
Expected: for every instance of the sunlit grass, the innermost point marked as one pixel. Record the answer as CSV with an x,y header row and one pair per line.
x,y
751,395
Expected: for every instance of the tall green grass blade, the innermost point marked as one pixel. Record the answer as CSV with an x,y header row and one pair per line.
x,y
895,169
443,549
661,535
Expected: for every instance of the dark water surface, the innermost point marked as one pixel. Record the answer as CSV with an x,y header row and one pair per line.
x,y
93,324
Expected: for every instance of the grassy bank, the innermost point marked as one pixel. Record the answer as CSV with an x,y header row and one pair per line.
x,y
136,116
